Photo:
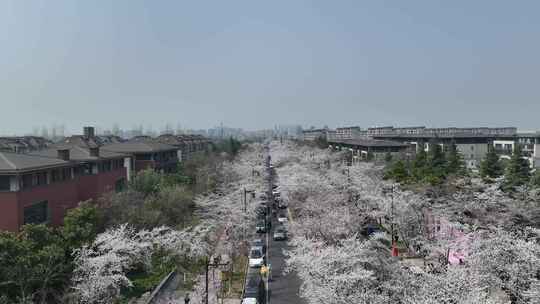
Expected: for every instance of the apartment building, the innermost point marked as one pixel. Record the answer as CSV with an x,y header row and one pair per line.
x,y
472,143
146,153
187,145
313,134
346,133
40,187
98,171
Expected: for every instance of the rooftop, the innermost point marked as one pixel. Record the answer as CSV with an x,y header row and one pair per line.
x,y
138,146
77,153
17,162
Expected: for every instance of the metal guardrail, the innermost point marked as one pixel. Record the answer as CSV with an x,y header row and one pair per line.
x,y
159,288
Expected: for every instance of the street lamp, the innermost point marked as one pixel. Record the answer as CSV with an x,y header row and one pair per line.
x,y
216,263
391,191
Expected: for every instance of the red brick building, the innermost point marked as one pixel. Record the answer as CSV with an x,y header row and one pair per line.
x,y
98,171
35,190
41,186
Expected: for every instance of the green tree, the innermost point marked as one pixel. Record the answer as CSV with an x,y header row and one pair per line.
x,y
454,161
147,181
81,225
436,165
491,166
535,179
419,165
388,157
172,206
518,170
398,171
34,267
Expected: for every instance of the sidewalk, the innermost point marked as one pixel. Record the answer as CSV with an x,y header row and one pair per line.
x,y
214,283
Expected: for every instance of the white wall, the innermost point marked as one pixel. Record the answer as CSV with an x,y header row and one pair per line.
x,y
127,165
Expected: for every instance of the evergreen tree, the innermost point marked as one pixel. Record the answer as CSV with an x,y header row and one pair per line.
x,y
436,165
454,161
491,166
518,171
419,165
388,157
398,171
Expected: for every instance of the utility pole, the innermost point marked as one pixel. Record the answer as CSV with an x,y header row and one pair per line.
x,y
392,216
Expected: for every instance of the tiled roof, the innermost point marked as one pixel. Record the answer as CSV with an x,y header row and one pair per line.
x,y
138,146
77,153
15,162
171,139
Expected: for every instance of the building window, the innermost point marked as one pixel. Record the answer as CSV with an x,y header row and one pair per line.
x,y
27,181
36,213
5,183
105,166
144,157
118,164
41,178
60,175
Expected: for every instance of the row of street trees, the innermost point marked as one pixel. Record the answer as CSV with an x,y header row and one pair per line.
x,y
341,258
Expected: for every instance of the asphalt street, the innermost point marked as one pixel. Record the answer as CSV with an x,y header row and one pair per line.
x,y
284,289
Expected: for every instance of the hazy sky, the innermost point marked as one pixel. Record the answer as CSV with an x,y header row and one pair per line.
x,y
253,64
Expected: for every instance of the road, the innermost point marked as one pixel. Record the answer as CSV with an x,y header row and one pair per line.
x,y
284,289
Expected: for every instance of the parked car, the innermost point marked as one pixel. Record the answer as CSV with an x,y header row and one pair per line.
x,y
260,227
256,257
254,291
276,193
282,204
282,218
259,243
250,301
280,234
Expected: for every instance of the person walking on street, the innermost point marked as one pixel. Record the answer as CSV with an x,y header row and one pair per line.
x,y
186,299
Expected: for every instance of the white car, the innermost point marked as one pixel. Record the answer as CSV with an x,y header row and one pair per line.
x,y
250,301
256,257
282,218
